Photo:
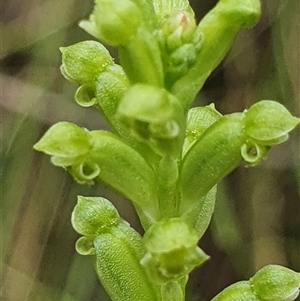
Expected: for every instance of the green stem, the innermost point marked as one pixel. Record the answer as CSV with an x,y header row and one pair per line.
x,y
167,182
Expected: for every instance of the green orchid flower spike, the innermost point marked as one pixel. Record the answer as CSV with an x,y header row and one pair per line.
x,y
164,157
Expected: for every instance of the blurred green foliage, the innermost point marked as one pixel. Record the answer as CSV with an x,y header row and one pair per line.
x,y
259,208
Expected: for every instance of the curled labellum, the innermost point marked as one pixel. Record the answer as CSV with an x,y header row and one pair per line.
x,y
85,96
84,172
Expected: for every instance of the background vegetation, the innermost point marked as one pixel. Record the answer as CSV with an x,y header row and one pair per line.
x,y
257,219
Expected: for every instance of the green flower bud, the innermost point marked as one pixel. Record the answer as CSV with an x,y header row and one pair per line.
x,y
240,291
276,283
178,29
216,31
268,122
67,143
172,250
179,62
149,110
84,61
117,21
179,43
94,215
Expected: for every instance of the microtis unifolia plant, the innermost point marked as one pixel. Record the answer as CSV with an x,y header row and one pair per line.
x,y
164,157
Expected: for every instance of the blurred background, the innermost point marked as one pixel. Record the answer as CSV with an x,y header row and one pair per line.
x,y
257,218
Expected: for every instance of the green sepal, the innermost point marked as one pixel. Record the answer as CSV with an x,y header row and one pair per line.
x,y
198,120
117,248
120,165
275,282
110,87
216,153
269,122
84,61
67,143
239,291
117,264
94,215
155,116
172,251
147,104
